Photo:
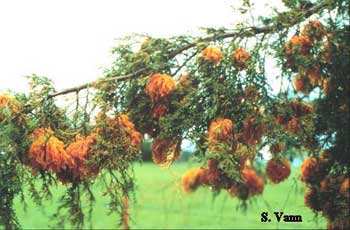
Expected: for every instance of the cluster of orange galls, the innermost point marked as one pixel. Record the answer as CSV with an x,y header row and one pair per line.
x,y
220,131
249,184
71,163
214,55
158,88
300,45
47,152
78,152
326,193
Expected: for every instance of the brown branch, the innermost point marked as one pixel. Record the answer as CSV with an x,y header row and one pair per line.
x,y
95,83
247,32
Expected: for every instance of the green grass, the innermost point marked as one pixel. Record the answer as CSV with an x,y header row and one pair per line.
x,y
160,203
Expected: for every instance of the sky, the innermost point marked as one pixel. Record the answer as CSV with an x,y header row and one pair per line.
x,y
70,41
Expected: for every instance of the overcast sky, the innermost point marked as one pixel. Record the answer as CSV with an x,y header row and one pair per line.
x,y
70,41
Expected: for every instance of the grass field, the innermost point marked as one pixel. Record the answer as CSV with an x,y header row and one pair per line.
x,y
160,203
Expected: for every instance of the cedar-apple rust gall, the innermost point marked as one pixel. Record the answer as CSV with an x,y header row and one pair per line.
x,y
280,217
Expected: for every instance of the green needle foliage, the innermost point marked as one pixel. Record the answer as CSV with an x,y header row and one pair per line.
x,y
212,89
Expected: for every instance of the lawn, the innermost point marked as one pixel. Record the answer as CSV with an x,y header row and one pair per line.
x,y
160,203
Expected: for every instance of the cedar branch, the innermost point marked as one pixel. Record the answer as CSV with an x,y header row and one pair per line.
x,y
247,32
